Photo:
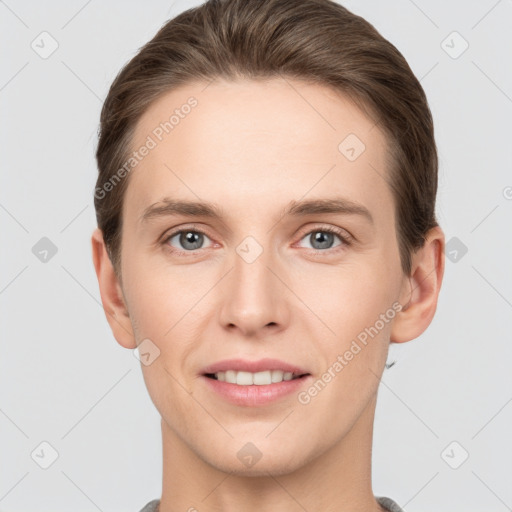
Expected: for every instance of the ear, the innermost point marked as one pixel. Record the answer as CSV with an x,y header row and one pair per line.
x,y
420,290
111,293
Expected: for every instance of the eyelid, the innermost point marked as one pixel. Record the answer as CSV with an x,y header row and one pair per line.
x,y
173,232
344,235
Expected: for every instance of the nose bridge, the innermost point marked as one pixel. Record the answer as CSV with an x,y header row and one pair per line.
x,y
253,298
251,276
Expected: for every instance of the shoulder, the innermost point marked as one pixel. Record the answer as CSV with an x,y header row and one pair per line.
x,y
152,506
388,504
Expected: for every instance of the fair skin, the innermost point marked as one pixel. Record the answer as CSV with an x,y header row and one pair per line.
x,y
252,148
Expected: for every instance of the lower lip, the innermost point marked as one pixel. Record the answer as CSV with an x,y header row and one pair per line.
x,y
254,395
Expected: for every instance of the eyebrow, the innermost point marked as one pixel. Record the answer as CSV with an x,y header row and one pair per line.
x,y
170,207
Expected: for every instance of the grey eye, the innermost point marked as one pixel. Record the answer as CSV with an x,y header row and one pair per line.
x,y
189,240
321,239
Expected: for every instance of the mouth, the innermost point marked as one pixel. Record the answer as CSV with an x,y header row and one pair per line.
x,y
262,378
254,373
258,379
258,389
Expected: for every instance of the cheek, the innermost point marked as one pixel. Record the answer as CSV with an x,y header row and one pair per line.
x,y
349,297
354,356
356,305
156,292
158,305
164,306
150,306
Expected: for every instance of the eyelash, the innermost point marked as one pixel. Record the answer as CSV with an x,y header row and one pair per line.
x,y
346,240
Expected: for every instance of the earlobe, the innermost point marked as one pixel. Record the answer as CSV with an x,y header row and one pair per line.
x,y
111,293
421,289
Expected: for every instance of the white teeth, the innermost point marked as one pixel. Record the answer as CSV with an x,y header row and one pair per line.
x,y
258,379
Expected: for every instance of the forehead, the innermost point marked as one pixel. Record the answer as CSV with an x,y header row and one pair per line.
x,y
277,140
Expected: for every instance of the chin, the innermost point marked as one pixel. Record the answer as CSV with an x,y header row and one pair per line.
x,y
251,462
260,469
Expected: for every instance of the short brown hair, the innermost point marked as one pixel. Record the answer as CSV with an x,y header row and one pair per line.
x,y
317,41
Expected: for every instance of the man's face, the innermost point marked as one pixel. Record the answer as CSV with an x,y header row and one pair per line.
x,y
255,284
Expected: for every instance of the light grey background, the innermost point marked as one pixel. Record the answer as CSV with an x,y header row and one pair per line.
x,y
66,381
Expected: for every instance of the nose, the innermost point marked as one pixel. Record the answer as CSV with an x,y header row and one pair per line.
x,y
255,300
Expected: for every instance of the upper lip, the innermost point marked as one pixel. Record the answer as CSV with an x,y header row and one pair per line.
x,y
253,366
